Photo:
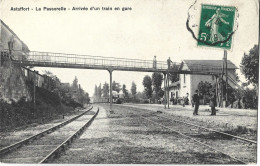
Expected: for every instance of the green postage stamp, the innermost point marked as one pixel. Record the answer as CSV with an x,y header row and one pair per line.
x,y
216,26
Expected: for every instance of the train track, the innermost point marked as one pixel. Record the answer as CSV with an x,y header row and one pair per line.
x,y
44,146
211,130
202,127
203,136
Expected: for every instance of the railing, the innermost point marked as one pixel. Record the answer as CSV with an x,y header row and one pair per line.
x,y
47,57
34,58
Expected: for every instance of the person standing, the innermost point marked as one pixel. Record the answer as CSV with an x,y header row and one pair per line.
x,y
187,99
169,63
213,103
154,62
196,100
183,101
172,100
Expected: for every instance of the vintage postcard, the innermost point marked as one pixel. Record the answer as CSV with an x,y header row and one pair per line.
x,y
129,81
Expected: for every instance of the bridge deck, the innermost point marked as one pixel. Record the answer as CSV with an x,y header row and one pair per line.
x,y
47,59
61,60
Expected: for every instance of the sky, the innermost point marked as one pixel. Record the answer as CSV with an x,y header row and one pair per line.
x,y
152,27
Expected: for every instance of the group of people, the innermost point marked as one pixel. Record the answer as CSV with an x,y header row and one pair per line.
x,y
212,103
169,62
195,97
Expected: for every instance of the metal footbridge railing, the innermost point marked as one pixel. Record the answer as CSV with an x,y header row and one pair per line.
x,y
48,59
62,60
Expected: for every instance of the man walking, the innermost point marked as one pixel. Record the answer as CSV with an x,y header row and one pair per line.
x,y
196,101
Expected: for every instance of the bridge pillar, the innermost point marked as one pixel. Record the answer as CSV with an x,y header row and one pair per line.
x,y
164,82
110,88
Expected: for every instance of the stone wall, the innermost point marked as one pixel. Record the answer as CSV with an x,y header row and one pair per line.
x,y
12,81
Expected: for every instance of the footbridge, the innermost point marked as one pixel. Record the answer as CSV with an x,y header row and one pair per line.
x,y
62,60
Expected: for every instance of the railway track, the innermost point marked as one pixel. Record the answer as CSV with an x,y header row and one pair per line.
x,y
211,130
237,148
44,146
188,122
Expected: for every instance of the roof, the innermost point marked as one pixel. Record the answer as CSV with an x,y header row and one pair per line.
x,y
209,65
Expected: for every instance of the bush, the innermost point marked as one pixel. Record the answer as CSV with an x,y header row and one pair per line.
x,y
48,106
146,102
118,101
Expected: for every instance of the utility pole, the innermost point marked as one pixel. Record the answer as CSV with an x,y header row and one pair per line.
x,y
110,88
225,56
168,98
169,67
34,96
164,82
1,54
216,86
222,83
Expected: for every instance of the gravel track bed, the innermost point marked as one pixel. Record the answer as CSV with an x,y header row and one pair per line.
x,y
247,152
121,137
39,148
210,123
9,138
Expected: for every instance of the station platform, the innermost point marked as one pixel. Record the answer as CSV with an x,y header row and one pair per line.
x,y
242,119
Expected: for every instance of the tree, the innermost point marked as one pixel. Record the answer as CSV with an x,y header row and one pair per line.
x,y
99,91
133,89
80,95
204,89
160,93
147,83
54,80
87,98
116,86
157,79
173,76
250,66
75,83
95,92
48,73
105,89
125,91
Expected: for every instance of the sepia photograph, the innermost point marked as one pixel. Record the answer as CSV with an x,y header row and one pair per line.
x,y
129,82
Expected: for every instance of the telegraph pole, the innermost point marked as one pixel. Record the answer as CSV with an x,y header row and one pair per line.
x,y
222,83
164,82
169,66
34,94
168,98
225,56
110,88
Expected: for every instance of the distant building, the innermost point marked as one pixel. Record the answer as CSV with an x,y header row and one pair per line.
x,y
188,83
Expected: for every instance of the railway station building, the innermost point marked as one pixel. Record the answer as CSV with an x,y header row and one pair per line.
x,y
188,83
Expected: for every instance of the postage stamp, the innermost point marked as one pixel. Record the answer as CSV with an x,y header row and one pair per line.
x,y
216,26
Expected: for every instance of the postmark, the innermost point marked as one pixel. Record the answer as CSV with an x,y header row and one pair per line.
x,y
216,26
